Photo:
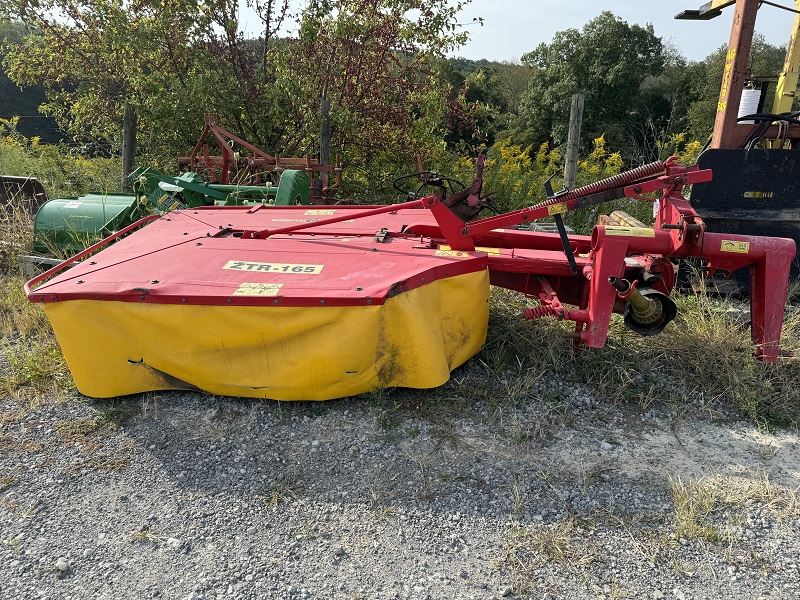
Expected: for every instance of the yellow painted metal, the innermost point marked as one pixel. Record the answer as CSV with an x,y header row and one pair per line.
x,y
284,353
787,83
718,4
709,10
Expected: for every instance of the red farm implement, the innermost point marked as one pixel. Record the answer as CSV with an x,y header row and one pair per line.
x,y
309,303
249,168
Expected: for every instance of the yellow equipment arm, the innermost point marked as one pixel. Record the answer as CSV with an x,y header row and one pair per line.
x,y
787,83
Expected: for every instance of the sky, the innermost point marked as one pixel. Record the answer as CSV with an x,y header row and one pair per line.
x,y
513,27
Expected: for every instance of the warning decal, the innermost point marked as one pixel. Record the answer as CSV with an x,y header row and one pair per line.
x,y
734,246
557,209
445,247
320,212
293,220
258,289
630,231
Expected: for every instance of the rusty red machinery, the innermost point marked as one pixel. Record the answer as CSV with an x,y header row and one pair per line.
x,y
309,303
249,165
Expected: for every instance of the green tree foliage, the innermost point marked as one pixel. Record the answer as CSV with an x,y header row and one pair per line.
x,y
95,57
658,112
23,102
484,98
607,61
373,62
173,60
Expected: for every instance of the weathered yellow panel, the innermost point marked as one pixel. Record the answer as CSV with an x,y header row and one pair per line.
x,y
284,353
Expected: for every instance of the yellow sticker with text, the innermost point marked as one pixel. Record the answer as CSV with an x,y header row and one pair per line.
x,y
630,231
557,209
456,253
258,289
328,211
734,246
493,251
259,267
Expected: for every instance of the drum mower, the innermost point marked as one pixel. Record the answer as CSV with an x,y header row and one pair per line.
x,y
313,303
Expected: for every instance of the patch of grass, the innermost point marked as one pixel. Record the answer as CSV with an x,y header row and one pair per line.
x,y
36,369
32,510
83,430
10,478
146,535
764,451
13,444
97,453
32,365
702,362
645,532
18,317
588,475
694,505
16,233
111,460
516,345
380,500
568,544
699,503
283,491
116,413
518,500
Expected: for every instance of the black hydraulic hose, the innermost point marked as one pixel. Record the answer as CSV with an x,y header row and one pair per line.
x,y
765,121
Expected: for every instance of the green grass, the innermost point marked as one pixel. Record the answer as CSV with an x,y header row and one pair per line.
x,y
701,363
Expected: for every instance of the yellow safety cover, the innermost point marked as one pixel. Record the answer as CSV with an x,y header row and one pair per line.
x,y
284,353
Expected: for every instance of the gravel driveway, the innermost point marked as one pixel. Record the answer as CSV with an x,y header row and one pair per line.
x,y
552,493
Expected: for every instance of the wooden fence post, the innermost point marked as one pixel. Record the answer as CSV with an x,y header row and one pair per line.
x,y
573,141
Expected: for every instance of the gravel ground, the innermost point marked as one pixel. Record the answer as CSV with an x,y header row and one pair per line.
x,y
548,493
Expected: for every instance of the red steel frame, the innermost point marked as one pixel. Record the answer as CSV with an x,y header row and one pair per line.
x,y
678,233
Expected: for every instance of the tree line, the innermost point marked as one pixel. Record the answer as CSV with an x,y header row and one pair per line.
x,y
369,81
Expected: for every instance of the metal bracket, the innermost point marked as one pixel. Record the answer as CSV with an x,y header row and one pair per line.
x,y
381,236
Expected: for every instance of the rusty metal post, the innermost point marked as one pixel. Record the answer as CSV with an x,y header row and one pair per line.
x,y
744,21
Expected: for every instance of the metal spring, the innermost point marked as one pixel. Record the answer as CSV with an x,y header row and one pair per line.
x,y
609,183
537,312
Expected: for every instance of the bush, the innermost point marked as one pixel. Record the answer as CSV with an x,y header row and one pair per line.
x,y
62,172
